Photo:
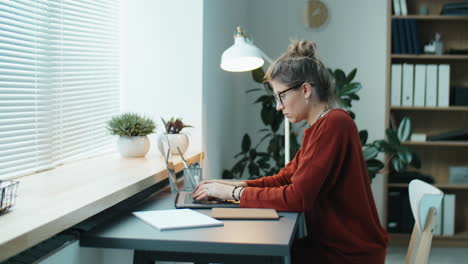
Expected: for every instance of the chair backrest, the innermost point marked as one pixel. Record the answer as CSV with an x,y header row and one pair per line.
x,y
425,201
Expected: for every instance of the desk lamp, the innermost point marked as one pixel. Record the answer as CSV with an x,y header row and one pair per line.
x,y
245,56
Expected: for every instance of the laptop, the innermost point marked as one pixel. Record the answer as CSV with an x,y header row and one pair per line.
x,y
183,199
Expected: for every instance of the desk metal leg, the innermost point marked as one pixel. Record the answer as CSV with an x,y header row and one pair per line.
x,y
142,257
149,257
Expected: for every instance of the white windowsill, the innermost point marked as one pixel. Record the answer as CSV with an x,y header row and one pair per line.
x,y
52,201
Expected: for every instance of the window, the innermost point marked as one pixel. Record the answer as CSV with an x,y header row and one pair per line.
x,y
59,81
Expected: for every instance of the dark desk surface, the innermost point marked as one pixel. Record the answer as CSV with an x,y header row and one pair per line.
x,y
236,237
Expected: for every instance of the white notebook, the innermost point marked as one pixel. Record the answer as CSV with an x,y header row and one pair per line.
x,y
177,219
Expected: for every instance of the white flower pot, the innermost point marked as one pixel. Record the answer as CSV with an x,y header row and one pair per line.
x,y
133,147
175,140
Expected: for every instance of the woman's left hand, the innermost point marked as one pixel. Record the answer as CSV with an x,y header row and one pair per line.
x,y
212,189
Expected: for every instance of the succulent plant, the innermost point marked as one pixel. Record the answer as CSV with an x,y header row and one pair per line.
x,y
130,124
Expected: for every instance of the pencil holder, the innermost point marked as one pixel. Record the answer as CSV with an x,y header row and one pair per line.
x,y
192,176
7,194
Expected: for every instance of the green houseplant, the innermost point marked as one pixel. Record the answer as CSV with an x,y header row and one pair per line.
x,y
132,130
259,163
174,135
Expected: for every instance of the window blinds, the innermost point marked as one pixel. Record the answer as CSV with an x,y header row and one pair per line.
x,y
59,81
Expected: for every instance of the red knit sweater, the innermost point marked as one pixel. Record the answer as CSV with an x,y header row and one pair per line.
x,y
328,181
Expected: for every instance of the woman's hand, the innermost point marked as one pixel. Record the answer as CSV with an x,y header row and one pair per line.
x,y
231,183
213,189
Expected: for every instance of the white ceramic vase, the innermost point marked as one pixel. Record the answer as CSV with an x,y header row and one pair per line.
x,y
133,147
180,140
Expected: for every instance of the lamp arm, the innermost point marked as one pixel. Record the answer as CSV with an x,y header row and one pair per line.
x,y
286,122
267,59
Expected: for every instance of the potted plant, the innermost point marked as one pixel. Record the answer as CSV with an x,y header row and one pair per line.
x,y
174,136
132,130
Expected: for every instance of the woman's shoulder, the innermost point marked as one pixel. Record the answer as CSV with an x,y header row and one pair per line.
x,y
336,119
338,114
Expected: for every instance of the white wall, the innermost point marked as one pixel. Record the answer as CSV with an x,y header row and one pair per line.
x,y
161,58
354,37
225,102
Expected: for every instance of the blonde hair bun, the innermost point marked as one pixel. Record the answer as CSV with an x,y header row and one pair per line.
x,y
303,48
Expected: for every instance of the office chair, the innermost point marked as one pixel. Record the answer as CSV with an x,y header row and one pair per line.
x,y
425,201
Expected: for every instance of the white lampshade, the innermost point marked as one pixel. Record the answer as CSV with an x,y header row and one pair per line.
x,y
242,56
245,56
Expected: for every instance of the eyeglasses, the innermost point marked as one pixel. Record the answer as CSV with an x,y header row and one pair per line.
x,y
279,97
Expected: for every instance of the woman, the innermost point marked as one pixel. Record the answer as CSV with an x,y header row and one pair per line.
x,y
327,179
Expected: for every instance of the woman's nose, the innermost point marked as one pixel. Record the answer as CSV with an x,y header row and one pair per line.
x,y
279,107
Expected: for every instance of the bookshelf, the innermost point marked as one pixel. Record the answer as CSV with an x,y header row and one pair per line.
x,y
436,156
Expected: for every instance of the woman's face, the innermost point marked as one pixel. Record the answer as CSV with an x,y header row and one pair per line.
x,y
291,101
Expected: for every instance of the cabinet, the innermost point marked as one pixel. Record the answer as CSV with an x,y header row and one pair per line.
x,y
436,156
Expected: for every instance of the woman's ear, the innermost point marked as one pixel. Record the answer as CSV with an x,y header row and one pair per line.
x,y
307,90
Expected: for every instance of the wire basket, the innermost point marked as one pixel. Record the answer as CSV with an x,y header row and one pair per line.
x,y
7,194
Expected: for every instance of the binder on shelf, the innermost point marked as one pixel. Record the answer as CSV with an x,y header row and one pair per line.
x,y
403,8
419,84
394,212
407,218
418,137
396,49
461,135
396,7
448,222
443,94
408,83
396,84
416,45
439,221
401,35
431,85
408,36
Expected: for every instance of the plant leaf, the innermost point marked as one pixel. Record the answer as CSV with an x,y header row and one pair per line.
x,y
351,75
262,98
253,154
370,153
354,97
258,75
392,137
404,129
374,165
350,89
340,77
267,116
227,175
405,155
385,146
345,102
253,90
363,135
253,169
246,143
397,164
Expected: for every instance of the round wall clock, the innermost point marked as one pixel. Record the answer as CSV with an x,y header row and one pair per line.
x,y
315,14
